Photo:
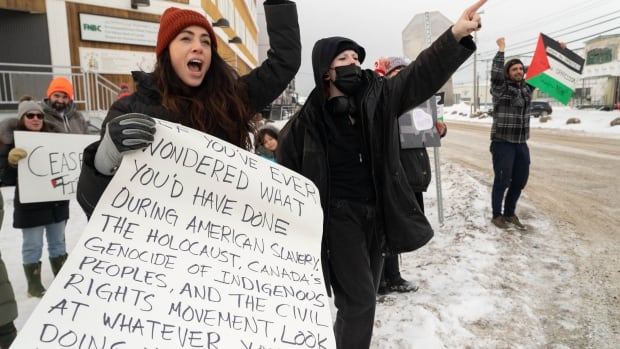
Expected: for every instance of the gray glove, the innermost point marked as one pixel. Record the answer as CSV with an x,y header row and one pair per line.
x,y
123,134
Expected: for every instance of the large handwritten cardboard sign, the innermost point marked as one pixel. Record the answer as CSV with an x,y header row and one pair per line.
x,y
194,244
52,168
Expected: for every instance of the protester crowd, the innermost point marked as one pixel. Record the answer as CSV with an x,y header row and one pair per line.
x,y
56,113
345,139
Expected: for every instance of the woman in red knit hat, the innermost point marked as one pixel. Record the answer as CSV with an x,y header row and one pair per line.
x,y
192,85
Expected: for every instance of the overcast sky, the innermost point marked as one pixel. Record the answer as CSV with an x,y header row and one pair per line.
x,y
378,26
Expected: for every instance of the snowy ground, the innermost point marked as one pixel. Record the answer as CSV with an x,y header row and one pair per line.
x,y
590,121
471,275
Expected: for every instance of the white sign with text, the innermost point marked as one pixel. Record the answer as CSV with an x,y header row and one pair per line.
x,y
194,244
118,30
52,168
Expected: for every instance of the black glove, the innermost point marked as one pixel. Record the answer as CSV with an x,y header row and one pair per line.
x,y
123,134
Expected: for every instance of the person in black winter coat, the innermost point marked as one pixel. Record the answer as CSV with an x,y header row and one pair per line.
x,y
344,139
192,85
38,218
417,166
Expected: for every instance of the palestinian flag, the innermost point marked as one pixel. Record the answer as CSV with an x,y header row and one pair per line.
x,y
56,182
554,70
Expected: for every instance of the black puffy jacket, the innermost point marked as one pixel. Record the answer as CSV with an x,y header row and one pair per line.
x,y
417,166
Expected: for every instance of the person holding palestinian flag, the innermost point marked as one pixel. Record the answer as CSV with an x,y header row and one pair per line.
x,y
512,97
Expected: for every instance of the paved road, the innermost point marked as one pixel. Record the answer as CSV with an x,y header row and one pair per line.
x,y
574,176
575,180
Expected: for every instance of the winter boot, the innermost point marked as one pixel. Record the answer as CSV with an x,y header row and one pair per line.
x,y
57,263
8,332
515,220
500,222
33,274
401,285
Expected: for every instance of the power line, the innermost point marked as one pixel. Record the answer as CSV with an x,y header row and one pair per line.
x,y
469,62
590,20
562,14
579,39
528,42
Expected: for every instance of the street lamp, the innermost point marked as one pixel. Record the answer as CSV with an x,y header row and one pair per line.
x,y
139,3
235,40
221,23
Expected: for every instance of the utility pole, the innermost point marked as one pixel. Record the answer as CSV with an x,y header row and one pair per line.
x,y
475,80
476,103
486,82
429,40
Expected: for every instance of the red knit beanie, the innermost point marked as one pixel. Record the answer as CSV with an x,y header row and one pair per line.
x,y
174,20
60,84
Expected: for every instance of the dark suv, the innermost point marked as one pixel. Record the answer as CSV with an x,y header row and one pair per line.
x,y
540,108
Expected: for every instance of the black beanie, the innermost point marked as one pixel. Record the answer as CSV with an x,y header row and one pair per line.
x,y
326,49
510,63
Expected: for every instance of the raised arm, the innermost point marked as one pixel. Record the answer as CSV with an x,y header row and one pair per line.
x,y
266,82
469,21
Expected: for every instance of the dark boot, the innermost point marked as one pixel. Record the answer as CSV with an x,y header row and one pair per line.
x,y
57,263
33,274
8,332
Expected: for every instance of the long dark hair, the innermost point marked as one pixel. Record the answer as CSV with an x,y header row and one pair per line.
x,y
219,105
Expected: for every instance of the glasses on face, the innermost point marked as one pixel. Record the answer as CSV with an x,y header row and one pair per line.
x,y
34,115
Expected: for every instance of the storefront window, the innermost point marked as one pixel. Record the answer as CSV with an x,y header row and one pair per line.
x,y
599,56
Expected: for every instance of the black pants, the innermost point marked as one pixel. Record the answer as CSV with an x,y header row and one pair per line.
x,y
511,165
355,264
391,270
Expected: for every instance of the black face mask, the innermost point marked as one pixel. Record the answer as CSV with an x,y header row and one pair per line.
x,y
348,79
